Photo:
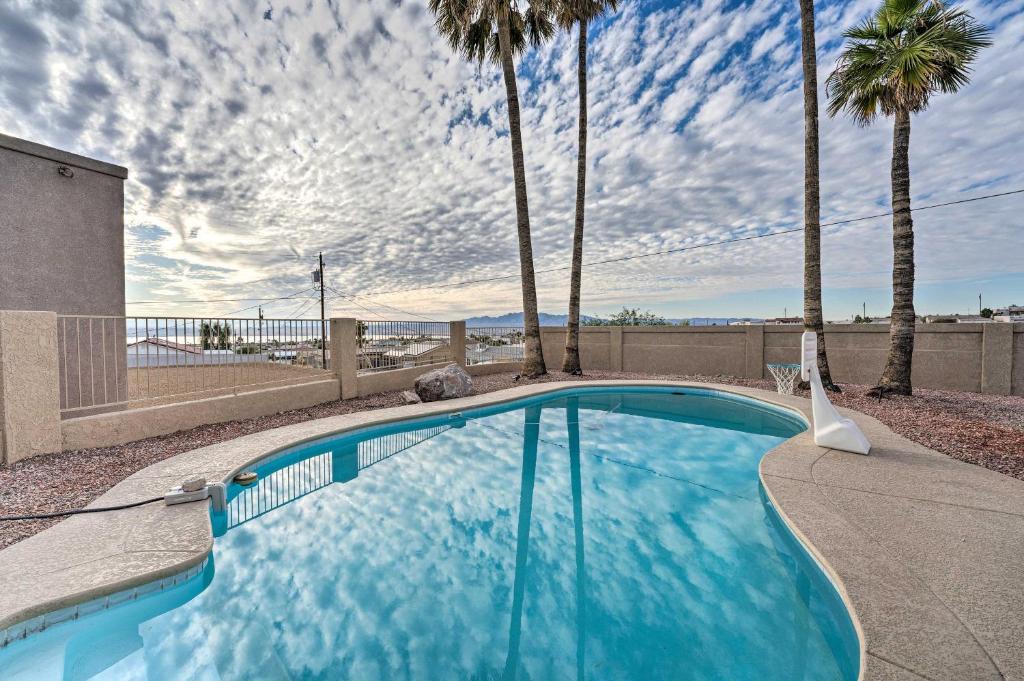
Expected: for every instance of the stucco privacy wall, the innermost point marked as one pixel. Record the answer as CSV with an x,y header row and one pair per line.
x,y
975,357
972,357
104,430
29,406
62,231
1017,370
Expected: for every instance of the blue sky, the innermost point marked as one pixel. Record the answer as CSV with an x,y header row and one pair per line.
x,y
350,127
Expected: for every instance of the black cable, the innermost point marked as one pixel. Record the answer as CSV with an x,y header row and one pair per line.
x,y
683,249
352,299
78,511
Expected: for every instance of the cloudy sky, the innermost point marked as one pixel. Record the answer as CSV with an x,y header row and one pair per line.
x,y
258,133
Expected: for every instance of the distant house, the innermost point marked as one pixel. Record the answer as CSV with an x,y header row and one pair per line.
x,y
418,354
1010,313
483,353
161,352
151,352
388,354
955,319
785,320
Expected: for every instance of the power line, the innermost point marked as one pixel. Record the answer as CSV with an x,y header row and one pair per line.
x,y
287,297
263,254
303,307
484,280
209,300
684,249
351,297
358,304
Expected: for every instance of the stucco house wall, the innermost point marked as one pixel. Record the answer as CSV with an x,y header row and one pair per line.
x,y
62,230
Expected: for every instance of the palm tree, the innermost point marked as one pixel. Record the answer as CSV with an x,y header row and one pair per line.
x,y
572,422
531,438
895,61
813,320
497,30
568,14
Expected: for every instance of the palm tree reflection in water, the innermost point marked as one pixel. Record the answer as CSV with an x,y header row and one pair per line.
x,y
531,437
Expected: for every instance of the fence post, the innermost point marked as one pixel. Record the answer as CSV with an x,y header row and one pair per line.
x,y
996,358
754,351
344,355
29,385
457,331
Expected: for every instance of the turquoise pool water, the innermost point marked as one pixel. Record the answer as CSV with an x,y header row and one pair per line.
x,y
598,534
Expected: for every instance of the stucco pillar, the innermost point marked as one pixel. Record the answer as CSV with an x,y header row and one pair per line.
x,y
345,463
754,351
458,341
29,385
615,348
344,358
996,358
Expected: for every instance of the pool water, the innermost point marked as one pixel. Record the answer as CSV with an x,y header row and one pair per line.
x,y
597,534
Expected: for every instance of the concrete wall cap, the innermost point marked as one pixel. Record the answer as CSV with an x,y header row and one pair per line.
x,y
60,156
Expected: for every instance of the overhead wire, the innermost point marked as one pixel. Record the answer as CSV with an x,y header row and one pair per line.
x,y
683,249
287,297
351,297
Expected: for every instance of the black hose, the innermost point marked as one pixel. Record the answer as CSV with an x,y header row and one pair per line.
x,y
77,511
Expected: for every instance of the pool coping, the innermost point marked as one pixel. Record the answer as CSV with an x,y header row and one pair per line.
x,y
896,531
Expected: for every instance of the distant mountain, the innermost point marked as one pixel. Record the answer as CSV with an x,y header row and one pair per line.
x,y
516,319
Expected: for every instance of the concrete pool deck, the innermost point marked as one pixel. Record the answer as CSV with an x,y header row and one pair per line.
x,y
927,550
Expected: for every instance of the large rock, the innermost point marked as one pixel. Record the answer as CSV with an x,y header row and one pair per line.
x,y
444,384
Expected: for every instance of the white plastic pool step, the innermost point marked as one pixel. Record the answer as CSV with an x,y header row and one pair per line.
x,y
830,428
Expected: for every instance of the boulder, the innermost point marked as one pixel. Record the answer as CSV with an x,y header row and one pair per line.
x,y
410,397
444,384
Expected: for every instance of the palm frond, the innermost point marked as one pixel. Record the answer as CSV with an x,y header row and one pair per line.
x,y
471,26
539,24
898,58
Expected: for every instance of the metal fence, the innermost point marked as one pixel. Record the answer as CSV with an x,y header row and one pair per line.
x,y
133,361
385,446
387,345
295,480
489,344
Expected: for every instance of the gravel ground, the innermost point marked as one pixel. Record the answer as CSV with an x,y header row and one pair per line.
x,y
987,430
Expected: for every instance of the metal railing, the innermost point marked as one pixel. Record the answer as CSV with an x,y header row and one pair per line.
x,y
387,345
490,344
296,480
135,361
281,487
385,446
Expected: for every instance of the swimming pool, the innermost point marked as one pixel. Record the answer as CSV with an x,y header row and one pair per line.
x,y
590,533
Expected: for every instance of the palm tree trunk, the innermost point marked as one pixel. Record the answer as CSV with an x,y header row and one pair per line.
x,y
896,376
572,419
531,438
533,355
813,319
571,361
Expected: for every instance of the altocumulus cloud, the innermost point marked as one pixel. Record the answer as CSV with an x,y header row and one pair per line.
x,y
259,133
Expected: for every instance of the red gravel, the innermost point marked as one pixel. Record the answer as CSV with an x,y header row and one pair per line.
x,y
987,430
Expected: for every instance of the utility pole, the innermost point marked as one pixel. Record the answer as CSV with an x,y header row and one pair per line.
x,y
260,351
323,322
979,304
864,305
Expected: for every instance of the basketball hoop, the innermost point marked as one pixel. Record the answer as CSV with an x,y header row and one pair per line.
x,y
785,377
